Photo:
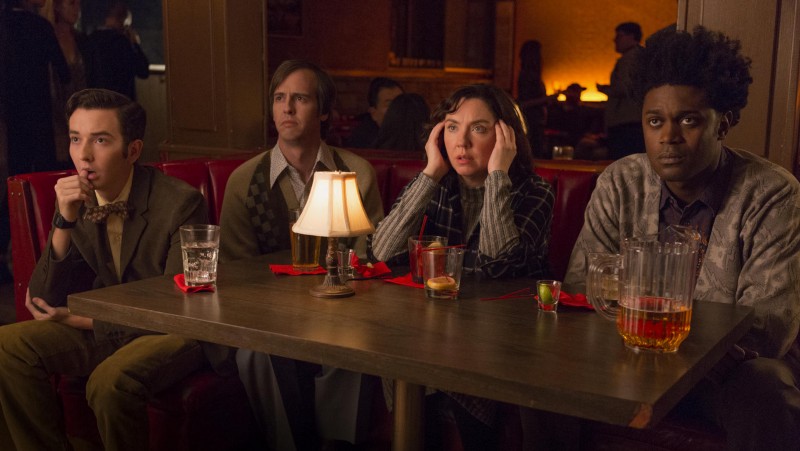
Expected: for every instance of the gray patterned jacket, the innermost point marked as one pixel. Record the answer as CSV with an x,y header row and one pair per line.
x,y
753,255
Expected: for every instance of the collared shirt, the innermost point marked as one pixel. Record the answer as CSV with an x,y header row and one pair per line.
x,y
114,223
279,164
699,214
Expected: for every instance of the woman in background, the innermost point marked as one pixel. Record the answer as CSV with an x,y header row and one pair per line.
x,y
403,126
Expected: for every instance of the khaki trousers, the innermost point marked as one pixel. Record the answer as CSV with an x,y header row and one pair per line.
x,y
123,375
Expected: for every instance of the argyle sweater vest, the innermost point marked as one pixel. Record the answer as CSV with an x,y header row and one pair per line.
x,y
268,209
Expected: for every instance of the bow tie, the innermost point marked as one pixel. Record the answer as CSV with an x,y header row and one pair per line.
x,y
99,214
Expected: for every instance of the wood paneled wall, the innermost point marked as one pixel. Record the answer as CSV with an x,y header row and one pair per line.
x,y
218,53
770,34
215,52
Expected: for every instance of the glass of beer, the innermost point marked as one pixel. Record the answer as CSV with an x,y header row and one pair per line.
x,y
200,249
305,248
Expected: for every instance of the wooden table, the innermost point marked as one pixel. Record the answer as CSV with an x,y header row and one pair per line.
x,y
572,362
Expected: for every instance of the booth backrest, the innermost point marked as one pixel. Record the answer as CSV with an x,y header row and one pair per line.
x,y
573,190
31,203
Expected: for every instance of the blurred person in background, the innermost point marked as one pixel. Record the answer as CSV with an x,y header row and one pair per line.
x,y
532,96
115,54
578,125
64,15
29,51
403,125
382,91
623,114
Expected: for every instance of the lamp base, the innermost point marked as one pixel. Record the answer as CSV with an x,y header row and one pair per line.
x,y
332,286
331,289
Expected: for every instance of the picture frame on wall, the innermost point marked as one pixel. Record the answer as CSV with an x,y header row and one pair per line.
x,y
285,18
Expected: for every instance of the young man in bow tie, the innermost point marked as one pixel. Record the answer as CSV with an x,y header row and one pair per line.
x,y
139,239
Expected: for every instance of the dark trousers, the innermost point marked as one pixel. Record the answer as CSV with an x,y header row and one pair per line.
x,y
757,404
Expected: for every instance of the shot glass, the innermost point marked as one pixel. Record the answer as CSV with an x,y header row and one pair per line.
x,y
200,248
415,244
344,262
441,272
548,291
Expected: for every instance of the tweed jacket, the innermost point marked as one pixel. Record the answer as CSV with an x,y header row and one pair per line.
x,y
753,254
151,245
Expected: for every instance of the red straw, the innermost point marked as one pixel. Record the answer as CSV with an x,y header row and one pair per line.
x,y
521,293
422,229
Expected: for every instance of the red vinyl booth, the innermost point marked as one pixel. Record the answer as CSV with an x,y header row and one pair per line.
x,y
205,410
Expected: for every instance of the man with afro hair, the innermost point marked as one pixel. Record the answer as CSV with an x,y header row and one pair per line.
x,y
692,87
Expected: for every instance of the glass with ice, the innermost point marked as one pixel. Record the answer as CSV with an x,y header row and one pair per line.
x,y
200,248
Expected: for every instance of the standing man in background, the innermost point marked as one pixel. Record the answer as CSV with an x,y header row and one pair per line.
x,y
115,56
623,119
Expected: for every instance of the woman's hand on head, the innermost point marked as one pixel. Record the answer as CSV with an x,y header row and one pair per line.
x,y
505,148
437,165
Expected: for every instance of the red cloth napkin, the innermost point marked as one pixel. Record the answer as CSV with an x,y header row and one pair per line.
x,y
405,280
375,270
289,270
577,300
180,281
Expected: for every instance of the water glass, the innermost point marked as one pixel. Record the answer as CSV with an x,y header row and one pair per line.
x,y
200,248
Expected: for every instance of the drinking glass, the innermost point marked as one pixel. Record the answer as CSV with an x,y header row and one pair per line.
x,y
441,271
200,249
344,262
415,243
305,248
549,292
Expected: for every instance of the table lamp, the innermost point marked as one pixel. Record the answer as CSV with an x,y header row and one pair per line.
x,y
333,210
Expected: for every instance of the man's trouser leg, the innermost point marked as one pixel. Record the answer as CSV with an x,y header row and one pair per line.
x,y
118,389
30,352
757,404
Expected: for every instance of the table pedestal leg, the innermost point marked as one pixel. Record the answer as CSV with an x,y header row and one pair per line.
x,y
409,416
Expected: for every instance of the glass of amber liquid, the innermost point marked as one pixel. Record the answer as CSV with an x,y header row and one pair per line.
x,y
654,277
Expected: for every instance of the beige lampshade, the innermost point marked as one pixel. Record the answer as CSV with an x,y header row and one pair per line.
x,y
334,207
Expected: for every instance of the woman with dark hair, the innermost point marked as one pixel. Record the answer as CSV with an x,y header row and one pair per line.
x,y
478,189
403,125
